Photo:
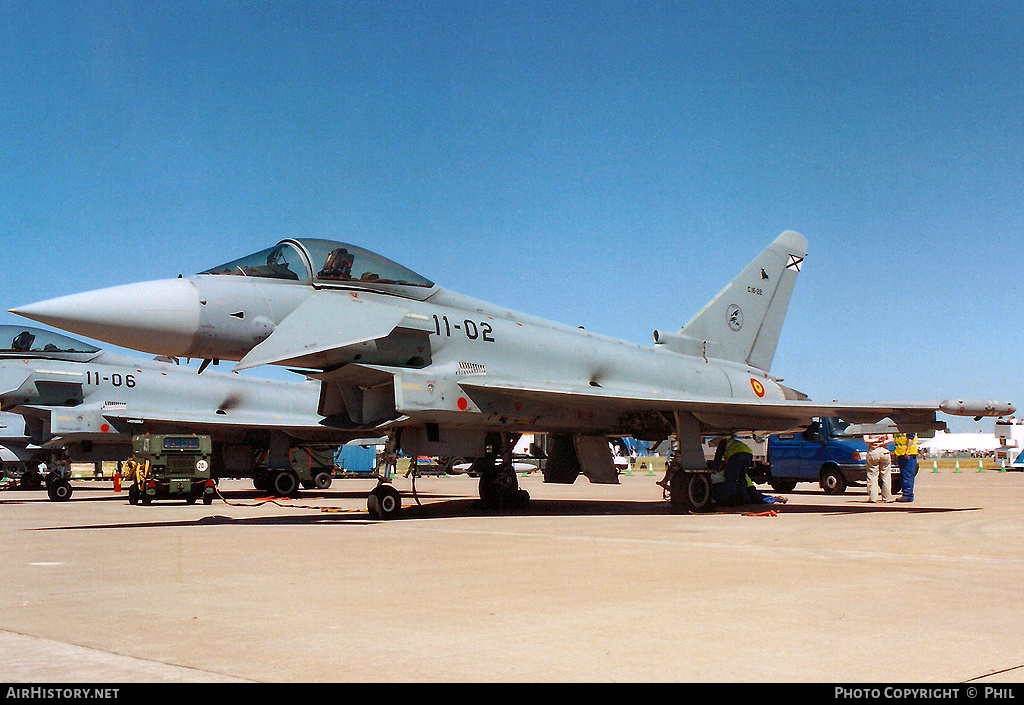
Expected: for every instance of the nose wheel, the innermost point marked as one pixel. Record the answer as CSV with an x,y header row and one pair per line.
x,y
384,502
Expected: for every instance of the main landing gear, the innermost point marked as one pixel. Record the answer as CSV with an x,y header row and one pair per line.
x,y
499,487
687,482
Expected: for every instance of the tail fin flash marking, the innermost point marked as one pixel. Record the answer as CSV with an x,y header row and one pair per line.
x,y
744,320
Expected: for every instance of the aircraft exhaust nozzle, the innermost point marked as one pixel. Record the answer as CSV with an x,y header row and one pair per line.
x,y
976,407
158,317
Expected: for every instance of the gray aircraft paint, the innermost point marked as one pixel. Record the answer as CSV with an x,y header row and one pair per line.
x,y
443,369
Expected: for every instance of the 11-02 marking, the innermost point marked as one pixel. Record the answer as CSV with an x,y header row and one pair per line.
x,y
483,331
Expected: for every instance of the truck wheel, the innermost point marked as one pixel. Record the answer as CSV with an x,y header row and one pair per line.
x,y
832,481
322,480
690,492
896,484
782,485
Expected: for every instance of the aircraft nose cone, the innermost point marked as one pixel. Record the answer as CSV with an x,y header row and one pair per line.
x,y
159,317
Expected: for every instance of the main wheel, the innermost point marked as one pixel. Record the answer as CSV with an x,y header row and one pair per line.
x,y
285,483
59,490
499,490
384,502
690,491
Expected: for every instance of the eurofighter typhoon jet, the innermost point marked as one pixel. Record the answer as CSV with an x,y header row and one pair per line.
x,y
88,403
442,374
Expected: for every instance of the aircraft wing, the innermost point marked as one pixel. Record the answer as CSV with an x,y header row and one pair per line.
x,y
312,334
741,414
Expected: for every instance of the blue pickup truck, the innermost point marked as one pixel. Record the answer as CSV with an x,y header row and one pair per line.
x,y
823,453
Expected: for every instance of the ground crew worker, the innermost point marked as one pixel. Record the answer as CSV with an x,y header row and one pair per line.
x,y
738,458
905,450
755,496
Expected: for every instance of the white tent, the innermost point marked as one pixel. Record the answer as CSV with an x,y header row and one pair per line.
x,y
954,442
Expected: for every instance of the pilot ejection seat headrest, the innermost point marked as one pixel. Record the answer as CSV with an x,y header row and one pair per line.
x,y
23,341
338,264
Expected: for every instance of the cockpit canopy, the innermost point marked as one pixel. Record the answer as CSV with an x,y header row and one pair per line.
x,y
22,340
322,262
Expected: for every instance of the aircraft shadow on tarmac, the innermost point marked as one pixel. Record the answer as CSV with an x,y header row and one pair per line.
x,y
433,506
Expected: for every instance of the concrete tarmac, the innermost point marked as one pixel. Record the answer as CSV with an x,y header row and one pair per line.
x,y
589,584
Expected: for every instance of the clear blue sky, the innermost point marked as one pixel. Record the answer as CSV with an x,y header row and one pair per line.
x,y
607,164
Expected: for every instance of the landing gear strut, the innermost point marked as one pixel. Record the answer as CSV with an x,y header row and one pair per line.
x,y
687,479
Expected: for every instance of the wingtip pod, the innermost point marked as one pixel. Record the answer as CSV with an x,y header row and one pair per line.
x,y
976,407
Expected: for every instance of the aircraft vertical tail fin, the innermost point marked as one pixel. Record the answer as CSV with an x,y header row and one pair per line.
x,y
744,320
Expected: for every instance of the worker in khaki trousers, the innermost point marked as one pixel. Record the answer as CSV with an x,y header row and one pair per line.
x,y
879,467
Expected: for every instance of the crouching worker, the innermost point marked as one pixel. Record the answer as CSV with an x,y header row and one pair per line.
x,y
733,460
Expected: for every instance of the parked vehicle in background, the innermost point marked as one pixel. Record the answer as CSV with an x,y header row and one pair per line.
x,y
823,453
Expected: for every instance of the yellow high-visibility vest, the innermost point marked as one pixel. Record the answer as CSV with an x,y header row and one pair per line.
x,y
905,445
736,446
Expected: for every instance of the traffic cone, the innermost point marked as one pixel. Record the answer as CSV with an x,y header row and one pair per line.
x,y
980,469
935,466
957,466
